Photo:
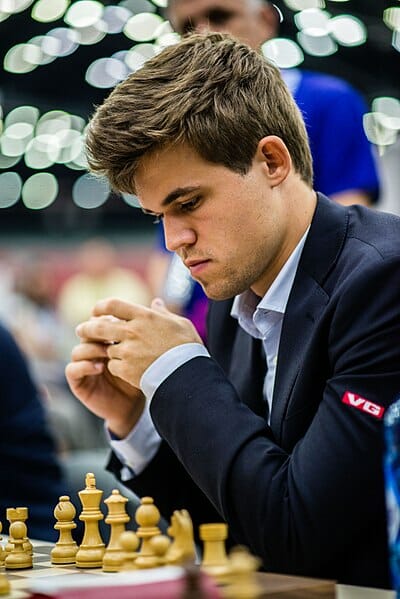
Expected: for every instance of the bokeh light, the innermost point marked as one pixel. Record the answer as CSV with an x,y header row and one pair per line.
x,y
46,11
143,27
48,138
90,192
10,189
283,52
39,191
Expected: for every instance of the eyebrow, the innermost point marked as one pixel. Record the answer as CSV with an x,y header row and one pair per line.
x,y
177,193
174,195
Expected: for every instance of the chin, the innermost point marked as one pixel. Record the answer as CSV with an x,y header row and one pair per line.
x,y
218,294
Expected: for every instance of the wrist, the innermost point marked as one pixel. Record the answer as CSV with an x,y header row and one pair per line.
x,y
120,426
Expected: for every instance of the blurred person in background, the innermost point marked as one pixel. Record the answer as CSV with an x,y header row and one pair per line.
x,y
32,316
29,311
99,275
30,473
344,164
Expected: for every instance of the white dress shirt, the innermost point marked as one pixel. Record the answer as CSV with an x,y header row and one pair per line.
x,y
260,319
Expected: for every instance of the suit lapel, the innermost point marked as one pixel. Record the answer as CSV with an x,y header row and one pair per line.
x,y
307,300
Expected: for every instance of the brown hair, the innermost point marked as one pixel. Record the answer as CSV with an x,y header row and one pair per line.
x,y
209,91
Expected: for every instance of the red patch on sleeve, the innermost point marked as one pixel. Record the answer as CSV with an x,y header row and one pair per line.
x,y
356,401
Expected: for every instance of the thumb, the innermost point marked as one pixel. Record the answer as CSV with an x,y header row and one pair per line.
x,y
159,305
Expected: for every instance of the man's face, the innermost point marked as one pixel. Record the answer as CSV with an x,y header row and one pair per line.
x,y
247,20
230,230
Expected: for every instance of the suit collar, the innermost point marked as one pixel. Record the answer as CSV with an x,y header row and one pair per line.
x,y
307,300
325,240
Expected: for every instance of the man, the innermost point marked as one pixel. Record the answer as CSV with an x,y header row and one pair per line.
x,y
279,431
344,165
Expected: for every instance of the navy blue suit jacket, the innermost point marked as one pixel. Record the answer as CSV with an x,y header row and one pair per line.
x,y
306,493
30,473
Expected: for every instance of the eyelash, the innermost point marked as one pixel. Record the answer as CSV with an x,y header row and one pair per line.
x,y
190,205
185,207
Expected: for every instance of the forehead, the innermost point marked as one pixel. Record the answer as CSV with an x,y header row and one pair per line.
x,y
166,167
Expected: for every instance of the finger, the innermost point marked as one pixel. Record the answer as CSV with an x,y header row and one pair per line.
x,y
101,330
159,306
89,351
114,351
77,371
117,368
119,309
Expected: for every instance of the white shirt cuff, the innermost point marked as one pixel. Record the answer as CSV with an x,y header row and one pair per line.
x,y
137,449
167,363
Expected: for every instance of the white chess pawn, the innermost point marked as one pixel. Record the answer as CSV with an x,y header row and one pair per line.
x,y
4,585
18,558
148,517
18,514
129,543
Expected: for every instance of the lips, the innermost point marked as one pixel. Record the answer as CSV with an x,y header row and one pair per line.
x,y
195,266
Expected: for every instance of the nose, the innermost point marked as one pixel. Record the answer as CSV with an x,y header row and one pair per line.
x,y
177,234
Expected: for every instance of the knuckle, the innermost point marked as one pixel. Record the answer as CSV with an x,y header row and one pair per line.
x,y
110,304
76,352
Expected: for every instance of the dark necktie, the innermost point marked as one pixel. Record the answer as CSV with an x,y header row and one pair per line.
x,y
247,372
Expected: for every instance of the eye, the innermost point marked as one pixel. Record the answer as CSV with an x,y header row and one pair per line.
x,y
219,16
190,204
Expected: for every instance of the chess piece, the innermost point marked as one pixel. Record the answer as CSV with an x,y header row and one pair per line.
x,y
4,585
18,558
147,517
117,518
4,582
2,550
129,543
64,551
215,560
18,514
242,581
90,553
182,549
159,545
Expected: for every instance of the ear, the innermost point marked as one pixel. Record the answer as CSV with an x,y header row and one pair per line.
x,y
269,21
274,155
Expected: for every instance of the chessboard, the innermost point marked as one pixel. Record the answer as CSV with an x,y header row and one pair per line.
x,y
47,579
22,580
271,586
142,563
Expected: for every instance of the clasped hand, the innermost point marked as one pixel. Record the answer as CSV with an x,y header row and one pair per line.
x,y
117,345
134,336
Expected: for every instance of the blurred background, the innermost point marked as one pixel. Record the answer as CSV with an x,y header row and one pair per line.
x,y
59,58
